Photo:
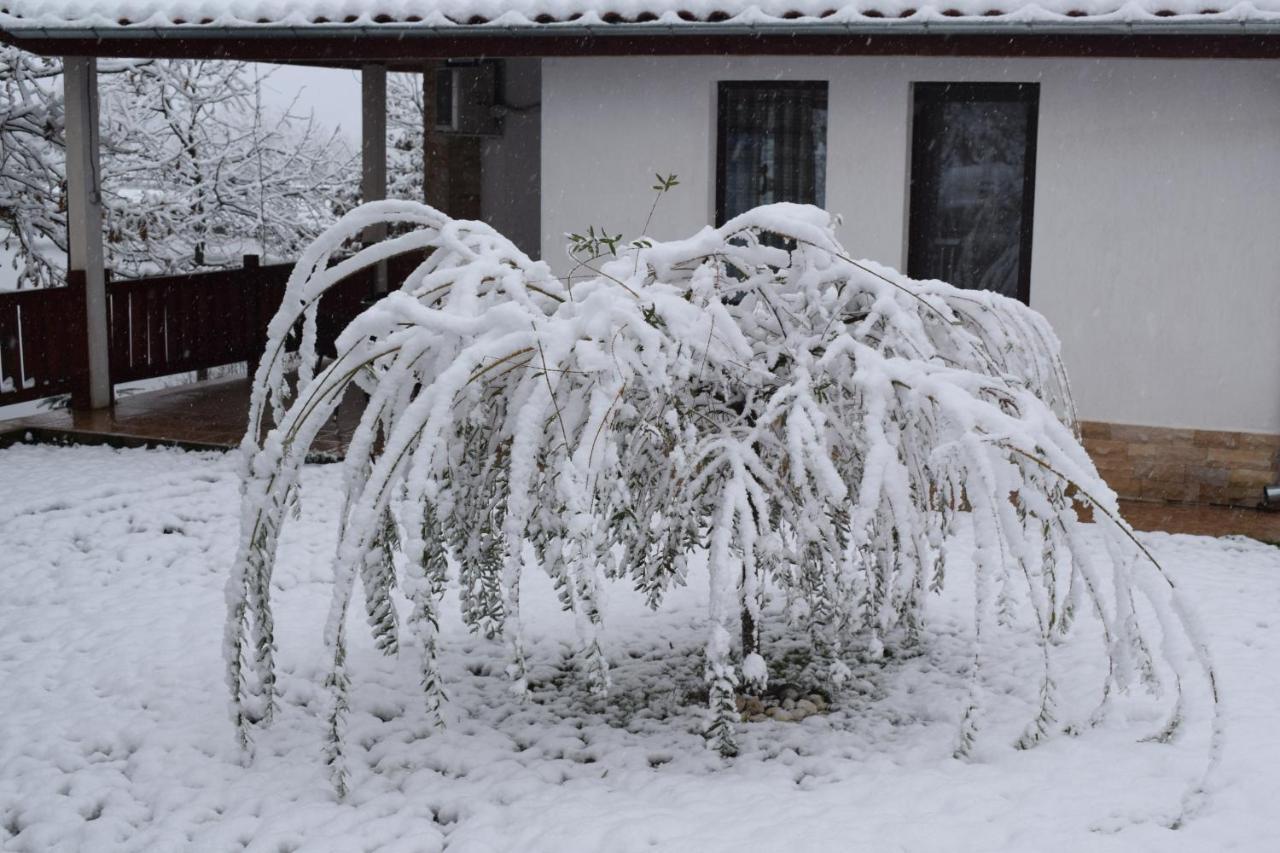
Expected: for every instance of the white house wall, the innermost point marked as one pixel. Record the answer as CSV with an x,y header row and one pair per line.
x,y
1156,247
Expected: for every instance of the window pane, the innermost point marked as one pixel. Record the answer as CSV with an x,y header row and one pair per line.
x,y
772,145
973,157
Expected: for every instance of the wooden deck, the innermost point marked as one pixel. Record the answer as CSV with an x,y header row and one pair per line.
x,y
200,416
212,416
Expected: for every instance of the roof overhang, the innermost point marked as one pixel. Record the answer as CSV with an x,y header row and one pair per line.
x,y
409,44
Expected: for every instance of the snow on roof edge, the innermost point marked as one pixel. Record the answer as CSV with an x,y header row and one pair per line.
x,y
109,17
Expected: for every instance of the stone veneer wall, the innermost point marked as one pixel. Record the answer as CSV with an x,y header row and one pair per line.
x,y
1184,465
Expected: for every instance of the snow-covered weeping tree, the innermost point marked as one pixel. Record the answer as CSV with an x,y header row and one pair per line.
x,y
814,423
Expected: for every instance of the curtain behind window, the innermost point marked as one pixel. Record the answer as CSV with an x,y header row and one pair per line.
x,y
772,145
972,182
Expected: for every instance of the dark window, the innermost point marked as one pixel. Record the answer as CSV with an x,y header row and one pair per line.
x,y
771,145
972,184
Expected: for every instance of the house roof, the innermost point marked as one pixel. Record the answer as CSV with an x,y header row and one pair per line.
x,y
107,17
403,34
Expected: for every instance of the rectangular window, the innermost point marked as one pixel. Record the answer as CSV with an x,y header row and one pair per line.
x,y
973,157
771,145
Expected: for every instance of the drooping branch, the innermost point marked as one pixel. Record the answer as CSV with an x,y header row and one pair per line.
x,y
813,423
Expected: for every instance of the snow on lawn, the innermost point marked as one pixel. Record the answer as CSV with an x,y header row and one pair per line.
x,y
114,732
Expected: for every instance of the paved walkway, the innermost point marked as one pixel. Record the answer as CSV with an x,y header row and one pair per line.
x,y
213,414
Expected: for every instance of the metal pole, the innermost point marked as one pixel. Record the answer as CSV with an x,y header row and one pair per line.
x,y
84,215
373,152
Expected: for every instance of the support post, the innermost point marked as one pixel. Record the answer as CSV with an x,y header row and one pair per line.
x,y
428,129
84,222
373,153
256,325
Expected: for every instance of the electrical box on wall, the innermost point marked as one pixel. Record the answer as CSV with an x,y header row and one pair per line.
x,y
466,94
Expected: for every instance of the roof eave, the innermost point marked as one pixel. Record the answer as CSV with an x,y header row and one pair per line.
x,y
942,26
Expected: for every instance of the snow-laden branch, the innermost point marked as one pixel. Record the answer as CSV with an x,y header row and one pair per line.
x,y
814,423
196,171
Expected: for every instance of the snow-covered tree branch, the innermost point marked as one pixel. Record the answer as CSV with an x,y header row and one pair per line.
x,y
195,171
818,426
32,165
405,120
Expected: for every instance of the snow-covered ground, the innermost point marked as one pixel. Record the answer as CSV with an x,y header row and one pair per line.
x,y
114,732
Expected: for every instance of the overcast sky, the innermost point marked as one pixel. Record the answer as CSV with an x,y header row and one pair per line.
x,y
334,95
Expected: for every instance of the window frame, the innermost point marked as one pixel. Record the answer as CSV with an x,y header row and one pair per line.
x,y
722,120
925,94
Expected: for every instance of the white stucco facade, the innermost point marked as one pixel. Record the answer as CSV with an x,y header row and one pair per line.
x,y
1156,243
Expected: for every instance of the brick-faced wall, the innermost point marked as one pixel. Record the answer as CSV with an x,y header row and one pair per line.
x,y
1183,465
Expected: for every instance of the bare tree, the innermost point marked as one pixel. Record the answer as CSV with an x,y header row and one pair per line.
x,y
214,173
405,116
32,205
196,170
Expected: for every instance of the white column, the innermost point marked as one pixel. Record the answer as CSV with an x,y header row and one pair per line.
x,y
373,150
84,214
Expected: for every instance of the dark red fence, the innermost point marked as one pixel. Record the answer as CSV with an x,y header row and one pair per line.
x,y
42,342
161,325
171,324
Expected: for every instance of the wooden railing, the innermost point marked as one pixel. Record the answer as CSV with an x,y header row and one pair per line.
x,y
172,324
42,342
161,325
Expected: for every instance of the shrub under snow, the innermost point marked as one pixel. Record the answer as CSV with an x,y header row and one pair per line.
x,y
816,424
